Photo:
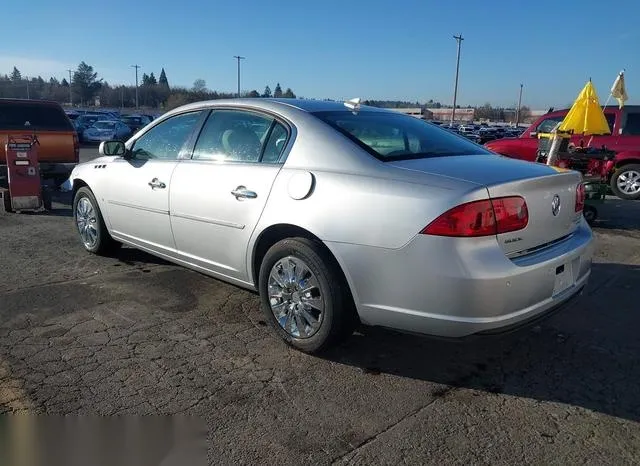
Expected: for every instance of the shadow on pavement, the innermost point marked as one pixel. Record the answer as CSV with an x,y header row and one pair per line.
x,y
618,214
586,355
132,256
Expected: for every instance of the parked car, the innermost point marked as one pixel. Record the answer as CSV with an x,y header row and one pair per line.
x,y
84,122
624,139
341,214
135,122
59,149
106,130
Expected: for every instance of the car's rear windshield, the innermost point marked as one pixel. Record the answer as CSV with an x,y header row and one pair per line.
x,y
389,136
21,115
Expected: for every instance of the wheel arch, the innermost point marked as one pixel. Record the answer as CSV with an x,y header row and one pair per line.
x,y
274,233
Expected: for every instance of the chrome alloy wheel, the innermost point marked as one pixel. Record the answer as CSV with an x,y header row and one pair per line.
x,y
86,221
629,182
295,298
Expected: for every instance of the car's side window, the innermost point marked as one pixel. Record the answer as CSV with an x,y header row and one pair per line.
x,y
165,140
547,125
232,136
632,125
275,144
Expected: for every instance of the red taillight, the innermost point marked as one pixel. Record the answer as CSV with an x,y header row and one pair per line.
x,y
580,197
481,218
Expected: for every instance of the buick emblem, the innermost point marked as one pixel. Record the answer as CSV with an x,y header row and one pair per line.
x,y
555,205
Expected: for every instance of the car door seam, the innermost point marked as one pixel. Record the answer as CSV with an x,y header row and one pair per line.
x,y
213,221
134,206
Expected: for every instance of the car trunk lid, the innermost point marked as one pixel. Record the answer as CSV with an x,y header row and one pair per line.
x,y
550,193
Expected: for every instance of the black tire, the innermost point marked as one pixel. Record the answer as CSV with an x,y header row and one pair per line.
x,y
339,314
104,244
590,214
632,167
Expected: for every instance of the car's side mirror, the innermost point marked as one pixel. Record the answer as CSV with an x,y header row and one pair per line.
x,y
112,148
533,134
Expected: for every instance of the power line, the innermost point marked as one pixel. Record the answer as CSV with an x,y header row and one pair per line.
x,y
458,39
136,67
70,93
238,57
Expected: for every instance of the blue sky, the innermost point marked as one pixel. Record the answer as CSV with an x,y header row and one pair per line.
x,y
400,49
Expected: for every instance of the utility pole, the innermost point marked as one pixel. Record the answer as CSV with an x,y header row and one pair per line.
x,y
238,57
27,78
519,105
136,67
458,39
70,93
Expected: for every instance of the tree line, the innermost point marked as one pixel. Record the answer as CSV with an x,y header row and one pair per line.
x,y
85,88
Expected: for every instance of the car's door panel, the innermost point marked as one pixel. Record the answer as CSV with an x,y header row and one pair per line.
x,y
217,197
138,203
212,226
139,211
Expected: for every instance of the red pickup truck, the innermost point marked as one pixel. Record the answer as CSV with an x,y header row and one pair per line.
x,y
624,140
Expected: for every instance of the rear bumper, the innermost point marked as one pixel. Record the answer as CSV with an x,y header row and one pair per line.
x,y
456,287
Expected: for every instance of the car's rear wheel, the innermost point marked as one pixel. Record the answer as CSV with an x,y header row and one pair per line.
x,y
90,224
304,296
625,182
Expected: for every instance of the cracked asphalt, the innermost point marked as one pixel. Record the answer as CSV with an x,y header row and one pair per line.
x,y
132,334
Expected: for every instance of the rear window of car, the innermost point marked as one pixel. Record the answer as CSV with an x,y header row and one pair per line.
x,y
132,120
104,124
389,136
20,115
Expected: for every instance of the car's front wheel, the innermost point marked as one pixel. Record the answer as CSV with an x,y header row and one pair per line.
x,y
90,224
625,182
304,296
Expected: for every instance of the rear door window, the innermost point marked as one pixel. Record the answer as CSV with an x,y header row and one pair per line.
x,y
33,116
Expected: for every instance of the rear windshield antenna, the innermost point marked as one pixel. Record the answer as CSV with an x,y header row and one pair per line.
x,y
353,105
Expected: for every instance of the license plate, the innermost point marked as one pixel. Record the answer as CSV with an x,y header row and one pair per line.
x,y
564,278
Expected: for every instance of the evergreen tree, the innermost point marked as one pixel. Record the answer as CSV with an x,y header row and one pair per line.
x,y
267,92
163,79
288,94
277,93
85,82
152,79
16,76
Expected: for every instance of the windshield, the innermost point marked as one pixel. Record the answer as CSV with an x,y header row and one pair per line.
x,y
132,120
104,125
390,136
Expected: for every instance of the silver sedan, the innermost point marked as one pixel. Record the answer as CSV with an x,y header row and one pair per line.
x,y
339,214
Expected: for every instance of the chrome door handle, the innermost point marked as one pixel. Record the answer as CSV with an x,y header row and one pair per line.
x,y
155,183
242,192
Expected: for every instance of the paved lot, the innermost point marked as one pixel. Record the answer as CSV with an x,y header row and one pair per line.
x,y
135,335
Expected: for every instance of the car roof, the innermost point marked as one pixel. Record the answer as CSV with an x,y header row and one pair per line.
x,y
305,105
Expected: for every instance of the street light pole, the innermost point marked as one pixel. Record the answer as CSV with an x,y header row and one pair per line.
x,y
238,57
136,67
70,93
458,39
27,87
519,105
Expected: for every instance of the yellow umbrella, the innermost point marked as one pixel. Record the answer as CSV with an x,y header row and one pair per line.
x,y
586,116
